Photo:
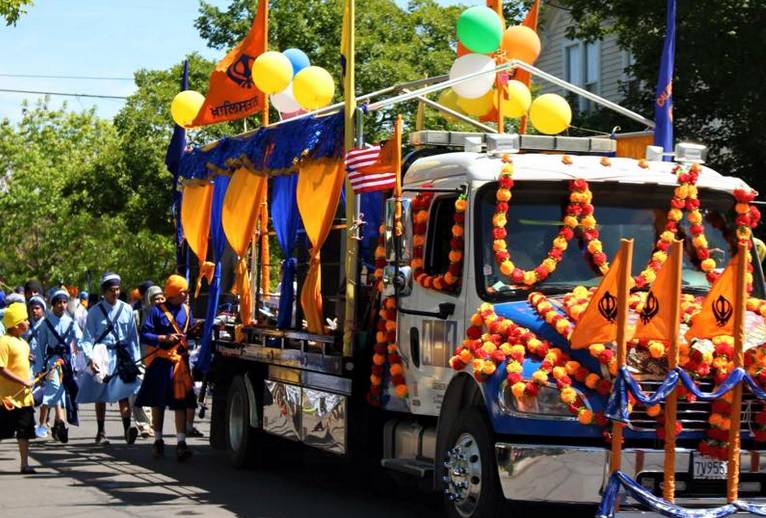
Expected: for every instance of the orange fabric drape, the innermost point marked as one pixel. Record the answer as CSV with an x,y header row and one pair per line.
x,y
195,221
265,253
318,193
239,214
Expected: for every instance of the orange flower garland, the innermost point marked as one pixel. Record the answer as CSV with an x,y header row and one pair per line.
x,y
386,351
449,280
380,259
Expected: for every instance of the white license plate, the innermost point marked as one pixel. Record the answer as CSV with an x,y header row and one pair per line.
x,y
708,468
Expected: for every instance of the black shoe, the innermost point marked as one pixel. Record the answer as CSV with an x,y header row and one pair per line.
x,y
55,432
28,470
183,453
193,432
131,434
159,449
63,433
101,439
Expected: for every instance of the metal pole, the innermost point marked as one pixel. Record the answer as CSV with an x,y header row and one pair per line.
x,y
352,202
265,112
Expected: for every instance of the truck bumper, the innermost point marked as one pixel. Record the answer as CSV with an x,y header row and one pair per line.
x,y
568,474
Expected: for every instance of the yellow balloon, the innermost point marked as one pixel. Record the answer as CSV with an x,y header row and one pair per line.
x,y
313,88
185,107
449,99
550,114
479,106
272,72
518,101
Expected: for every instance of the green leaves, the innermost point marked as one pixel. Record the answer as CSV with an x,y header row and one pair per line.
x,y
11,10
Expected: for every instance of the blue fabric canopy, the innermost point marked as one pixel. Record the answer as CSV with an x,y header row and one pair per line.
x,y
371,207
274,147
286,220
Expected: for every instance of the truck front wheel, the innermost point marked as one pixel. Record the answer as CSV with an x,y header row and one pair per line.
x,y
240,436
471,486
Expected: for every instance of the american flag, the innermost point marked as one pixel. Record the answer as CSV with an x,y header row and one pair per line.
x,y
359,158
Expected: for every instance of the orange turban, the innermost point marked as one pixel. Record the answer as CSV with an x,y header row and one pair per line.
x,y
175,285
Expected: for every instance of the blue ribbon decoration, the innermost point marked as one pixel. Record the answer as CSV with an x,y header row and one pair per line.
x,y
659,505
617,406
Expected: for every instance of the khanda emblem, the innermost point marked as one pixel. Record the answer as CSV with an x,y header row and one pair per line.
x,y
240,71
650,309
607,306
722,311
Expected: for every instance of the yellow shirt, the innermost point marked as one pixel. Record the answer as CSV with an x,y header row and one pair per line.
x,y
14,356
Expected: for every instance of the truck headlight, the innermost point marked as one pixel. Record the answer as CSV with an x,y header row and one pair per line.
x,y
547,403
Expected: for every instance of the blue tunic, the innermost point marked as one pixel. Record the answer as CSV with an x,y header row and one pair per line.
x,y
91,391
32,336
51,350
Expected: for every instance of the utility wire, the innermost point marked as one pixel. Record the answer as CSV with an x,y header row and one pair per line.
x,y
64,94
96,78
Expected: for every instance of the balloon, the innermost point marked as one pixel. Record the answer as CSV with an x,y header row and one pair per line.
x,y
469,64
550,114
298,59
479,106
518,101
461,50
449,99
313,87
185,107
522,43
480,29
284,101
272,72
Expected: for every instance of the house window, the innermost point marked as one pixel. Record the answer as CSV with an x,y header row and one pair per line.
x,y
582,67
629,81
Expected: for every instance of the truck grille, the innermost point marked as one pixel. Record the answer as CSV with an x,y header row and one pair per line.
x,y
693,416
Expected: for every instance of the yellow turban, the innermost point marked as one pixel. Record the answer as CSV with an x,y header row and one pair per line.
x,y
175,285
15,314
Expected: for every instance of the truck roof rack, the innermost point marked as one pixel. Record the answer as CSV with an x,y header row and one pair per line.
x,y
511,143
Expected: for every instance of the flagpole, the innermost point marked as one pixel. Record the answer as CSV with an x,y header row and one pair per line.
x,y
265,112
352,208
623,291
669,487
499,87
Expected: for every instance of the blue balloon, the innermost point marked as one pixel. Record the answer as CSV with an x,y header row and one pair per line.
x,y
298,59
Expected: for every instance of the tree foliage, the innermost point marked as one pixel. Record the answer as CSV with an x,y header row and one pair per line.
x,y
717,85
11,10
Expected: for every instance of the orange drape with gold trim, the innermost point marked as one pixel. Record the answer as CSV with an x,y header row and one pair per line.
x,y
195,221
318,192
241,207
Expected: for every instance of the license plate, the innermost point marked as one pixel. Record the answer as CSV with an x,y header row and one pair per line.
x,y
707,468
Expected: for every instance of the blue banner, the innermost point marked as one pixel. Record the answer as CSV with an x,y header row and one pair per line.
x,y
172,162
663,102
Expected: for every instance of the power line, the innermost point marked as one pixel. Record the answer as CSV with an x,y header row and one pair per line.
x,y
63,94
92,78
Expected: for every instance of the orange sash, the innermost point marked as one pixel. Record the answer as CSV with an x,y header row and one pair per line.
x,y
182,380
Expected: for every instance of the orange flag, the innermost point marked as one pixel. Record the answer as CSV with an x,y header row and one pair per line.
x,y
231,93
655,321
717,315
390,154
598,323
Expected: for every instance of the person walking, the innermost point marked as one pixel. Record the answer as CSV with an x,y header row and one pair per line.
x,y
110,332
58,340
36,314
18,418
168,382
141,307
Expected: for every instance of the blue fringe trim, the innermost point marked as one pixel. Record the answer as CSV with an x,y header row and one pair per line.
x,y
277,147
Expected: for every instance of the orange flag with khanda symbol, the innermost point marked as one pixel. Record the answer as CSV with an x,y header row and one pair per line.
x,y
231,92
655,320
717,315
598,322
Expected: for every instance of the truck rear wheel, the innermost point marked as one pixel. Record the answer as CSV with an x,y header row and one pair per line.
x,y
240,436
471,486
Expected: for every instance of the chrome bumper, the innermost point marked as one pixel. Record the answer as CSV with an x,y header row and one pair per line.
x,y
567,474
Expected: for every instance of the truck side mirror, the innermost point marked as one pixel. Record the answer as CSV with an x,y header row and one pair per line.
x,y
404,254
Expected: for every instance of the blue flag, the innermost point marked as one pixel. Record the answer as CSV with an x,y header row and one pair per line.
x,y
663,102
172,161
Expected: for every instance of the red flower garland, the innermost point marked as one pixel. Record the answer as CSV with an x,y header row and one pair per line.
x,y
386,351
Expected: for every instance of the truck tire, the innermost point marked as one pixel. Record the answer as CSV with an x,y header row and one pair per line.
x,y
471,485
240,436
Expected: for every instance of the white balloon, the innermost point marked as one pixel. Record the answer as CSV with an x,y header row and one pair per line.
x,y
284,101
469,64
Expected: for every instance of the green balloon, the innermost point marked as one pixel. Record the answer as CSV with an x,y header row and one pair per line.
x,y
479,29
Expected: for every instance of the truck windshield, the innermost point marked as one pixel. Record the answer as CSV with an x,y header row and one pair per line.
x,y
622,211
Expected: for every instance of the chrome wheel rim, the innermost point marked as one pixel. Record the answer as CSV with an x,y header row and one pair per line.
x,y
462,477
236,421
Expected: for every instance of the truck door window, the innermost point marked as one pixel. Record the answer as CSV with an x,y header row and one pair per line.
x,y
439,235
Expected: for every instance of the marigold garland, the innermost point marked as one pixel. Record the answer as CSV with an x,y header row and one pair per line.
x,y
380,259
449,280
386,351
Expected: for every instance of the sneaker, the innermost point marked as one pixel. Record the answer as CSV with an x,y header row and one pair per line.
x,y
146,432
101,439
158,450
131,434
183,453
41,431
63,433
28,470
193,432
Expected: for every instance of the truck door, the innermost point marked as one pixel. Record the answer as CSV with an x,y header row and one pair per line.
x,y
427,341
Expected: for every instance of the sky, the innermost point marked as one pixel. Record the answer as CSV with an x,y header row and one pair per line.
x,y
98,38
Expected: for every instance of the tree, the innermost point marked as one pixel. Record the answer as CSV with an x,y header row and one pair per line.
x,y
11,10
717,85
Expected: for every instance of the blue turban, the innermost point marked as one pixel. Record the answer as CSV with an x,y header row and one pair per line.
x,y
110,280
59,294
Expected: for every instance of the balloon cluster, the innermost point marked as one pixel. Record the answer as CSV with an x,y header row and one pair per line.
x,y
483,43
288,78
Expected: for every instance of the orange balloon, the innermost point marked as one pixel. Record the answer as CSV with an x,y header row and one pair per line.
x,y
461,50
522,43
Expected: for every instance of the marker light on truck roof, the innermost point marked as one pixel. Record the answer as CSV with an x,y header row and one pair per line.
x,y
687,152
499,144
